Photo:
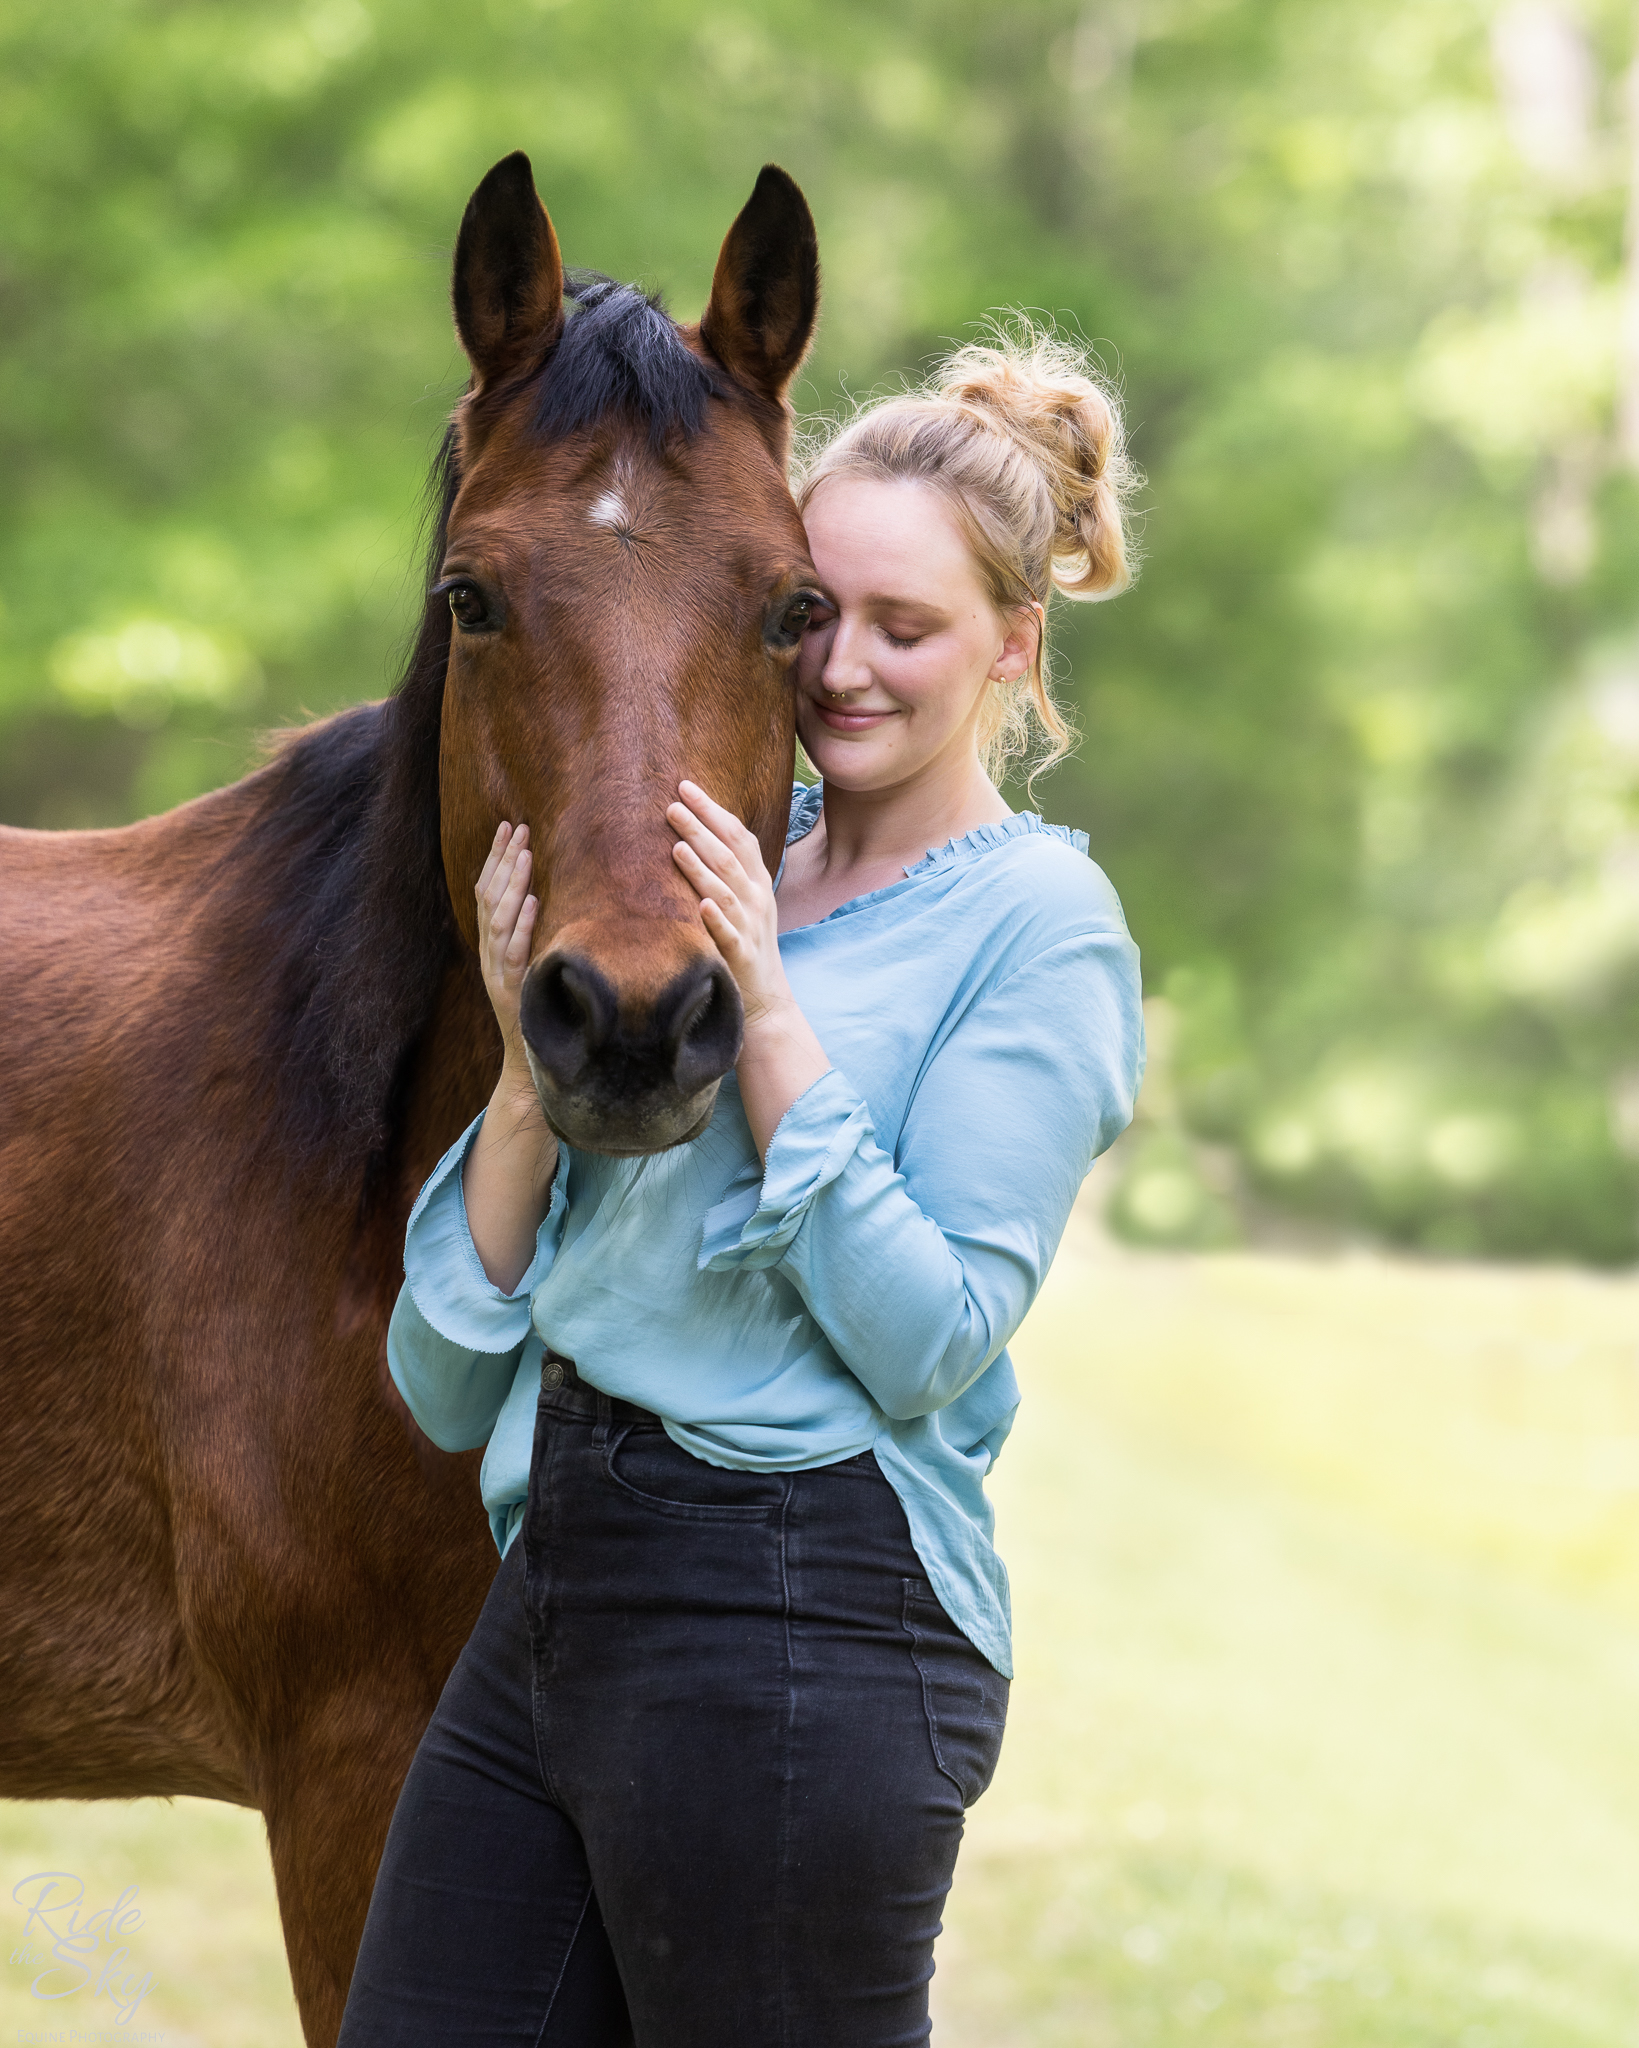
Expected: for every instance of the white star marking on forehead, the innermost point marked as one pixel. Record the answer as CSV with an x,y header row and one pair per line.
x,y
610,510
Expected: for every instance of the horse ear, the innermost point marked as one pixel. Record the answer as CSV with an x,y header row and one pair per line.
x,y
765,292
508,282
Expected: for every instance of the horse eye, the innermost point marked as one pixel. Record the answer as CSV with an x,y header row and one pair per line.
x,y
787,627
467,606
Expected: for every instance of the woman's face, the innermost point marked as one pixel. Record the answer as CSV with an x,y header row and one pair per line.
x,y
894,668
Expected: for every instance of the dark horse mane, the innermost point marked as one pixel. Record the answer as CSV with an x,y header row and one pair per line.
x,y
359,934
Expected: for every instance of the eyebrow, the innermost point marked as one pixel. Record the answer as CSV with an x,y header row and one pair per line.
x,y
887,601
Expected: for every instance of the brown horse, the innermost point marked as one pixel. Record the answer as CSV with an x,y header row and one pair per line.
x,y
236,1038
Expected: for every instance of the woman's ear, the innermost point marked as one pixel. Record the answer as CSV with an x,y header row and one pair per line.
x,y
1019,650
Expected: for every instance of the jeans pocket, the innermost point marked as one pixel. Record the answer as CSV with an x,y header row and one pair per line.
x,y
964,1694
649,1468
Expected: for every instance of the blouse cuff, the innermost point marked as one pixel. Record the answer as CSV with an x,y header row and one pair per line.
x,y
812,1143
444,1273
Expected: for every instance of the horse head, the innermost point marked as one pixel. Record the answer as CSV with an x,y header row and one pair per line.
x,y
629,581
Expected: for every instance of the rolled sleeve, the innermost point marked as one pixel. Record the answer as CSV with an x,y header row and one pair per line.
x,y
1004,1123
812,1143
455,1338
444,1273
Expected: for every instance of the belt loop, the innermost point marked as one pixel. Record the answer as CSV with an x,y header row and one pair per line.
x,y
606,1415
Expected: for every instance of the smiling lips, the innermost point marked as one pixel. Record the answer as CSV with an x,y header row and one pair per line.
x,y
847,720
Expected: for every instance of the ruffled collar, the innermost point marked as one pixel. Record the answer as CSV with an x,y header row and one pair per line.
x,y
807,804
983,837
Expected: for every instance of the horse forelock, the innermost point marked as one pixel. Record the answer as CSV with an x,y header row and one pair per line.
x,y
620,350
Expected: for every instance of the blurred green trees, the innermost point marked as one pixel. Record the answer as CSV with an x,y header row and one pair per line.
x,y
1361,747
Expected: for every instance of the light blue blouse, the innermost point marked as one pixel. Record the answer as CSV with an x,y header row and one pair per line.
x,y
857,1291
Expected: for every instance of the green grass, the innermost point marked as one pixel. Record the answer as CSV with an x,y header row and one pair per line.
x,y
210,1927
1328,1664
1326,1579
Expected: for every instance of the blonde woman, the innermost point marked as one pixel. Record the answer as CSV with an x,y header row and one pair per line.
x,y
699,1775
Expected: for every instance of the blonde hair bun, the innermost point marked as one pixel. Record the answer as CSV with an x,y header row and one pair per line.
x,y
1037,389
1024,440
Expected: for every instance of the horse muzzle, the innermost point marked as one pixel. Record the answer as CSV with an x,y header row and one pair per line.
x,y
621,1069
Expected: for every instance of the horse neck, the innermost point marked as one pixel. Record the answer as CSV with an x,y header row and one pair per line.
x,y
355,938
446,1077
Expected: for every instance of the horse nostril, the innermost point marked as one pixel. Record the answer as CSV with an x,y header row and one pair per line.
x,y
566,1013
706,1020
586,1045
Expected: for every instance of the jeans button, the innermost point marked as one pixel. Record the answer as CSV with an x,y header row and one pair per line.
x,y
552,1372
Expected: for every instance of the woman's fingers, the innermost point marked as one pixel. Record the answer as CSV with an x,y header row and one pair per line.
x,y
708,846
712,816
494,896
507,916
704,879
503,832
723,822
503,858
725,934
507,911
724,864
687,822
508,843
503,922
517,950
510,882
729,845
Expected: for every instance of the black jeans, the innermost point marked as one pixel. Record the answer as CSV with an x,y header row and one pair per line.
x,y
696,1780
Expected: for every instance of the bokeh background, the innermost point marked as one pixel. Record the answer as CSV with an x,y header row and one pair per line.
x,y
1361,748
1325,1525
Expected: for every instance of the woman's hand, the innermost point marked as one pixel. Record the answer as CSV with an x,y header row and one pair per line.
x,y
724,864
506,926
780,1056
507,1180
